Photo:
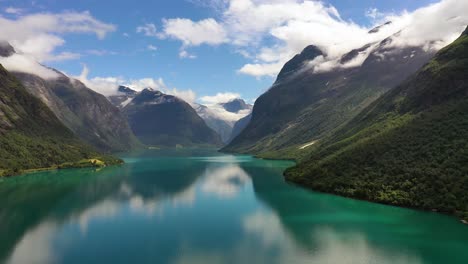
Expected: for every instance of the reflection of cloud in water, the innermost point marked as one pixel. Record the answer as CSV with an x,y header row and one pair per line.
x,y
35,247
333,248
104,210
226,181
109,208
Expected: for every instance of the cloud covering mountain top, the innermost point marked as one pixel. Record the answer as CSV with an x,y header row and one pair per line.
x,y
290,25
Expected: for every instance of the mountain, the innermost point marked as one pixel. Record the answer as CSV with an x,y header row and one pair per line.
x,y
6,50
32,137
408,148
86,113
222,117
158,119
236,105
124,96
239,126
308,102
214,121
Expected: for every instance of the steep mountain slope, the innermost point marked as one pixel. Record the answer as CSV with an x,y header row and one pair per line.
x,y
158,119
88,114
32,137
306,103
409,148
239,126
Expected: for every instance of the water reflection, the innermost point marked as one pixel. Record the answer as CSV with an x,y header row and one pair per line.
x,y
206,209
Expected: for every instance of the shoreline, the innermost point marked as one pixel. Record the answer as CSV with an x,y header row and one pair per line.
x,y
437,211
90,163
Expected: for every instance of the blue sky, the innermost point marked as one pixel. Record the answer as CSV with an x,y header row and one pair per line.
x,y
126,53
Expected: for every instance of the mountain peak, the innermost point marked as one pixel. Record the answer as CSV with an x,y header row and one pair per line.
x,y
6,50
466,31
309,53
152,96
236,105
126,90
378,28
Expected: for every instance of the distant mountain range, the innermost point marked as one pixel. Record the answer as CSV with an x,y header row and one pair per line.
x,y
159,119
219,117
222,117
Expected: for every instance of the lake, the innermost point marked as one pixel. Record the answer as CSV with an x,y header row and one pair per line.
x,y
200,206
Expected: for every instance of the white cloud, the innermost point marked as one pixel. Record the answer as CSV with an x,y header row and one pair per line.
x,y
152,48
14,10
288,26
375,14
215,109
207,31
38,35
109,85
183,54
100,52
187,95
103,85
262,69
64,56
22,63
148,30
219,98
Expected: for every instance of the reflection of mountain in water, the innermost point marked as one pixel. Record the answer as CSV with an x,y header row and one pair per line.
x,y
322,223
206,208
51,198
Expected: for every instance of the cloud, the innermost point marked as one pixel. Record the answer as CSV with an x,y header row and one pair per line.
x,y
109,85
219,98
187,95
22,63
64,56
101,52
14,11
261,69
206,31
148,30
38,35
183,54
375,14
272,32
152,48
103,85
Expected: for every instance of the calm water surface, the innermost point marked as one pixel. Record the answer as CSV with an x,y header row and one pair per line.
x,y
205,207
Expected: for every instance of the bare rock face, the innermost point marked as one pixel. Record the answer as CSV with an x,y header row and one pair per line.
x,y
6,50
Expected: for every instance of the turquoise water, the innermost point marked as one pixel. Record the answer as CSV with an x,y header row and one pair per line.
x,y
205,207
